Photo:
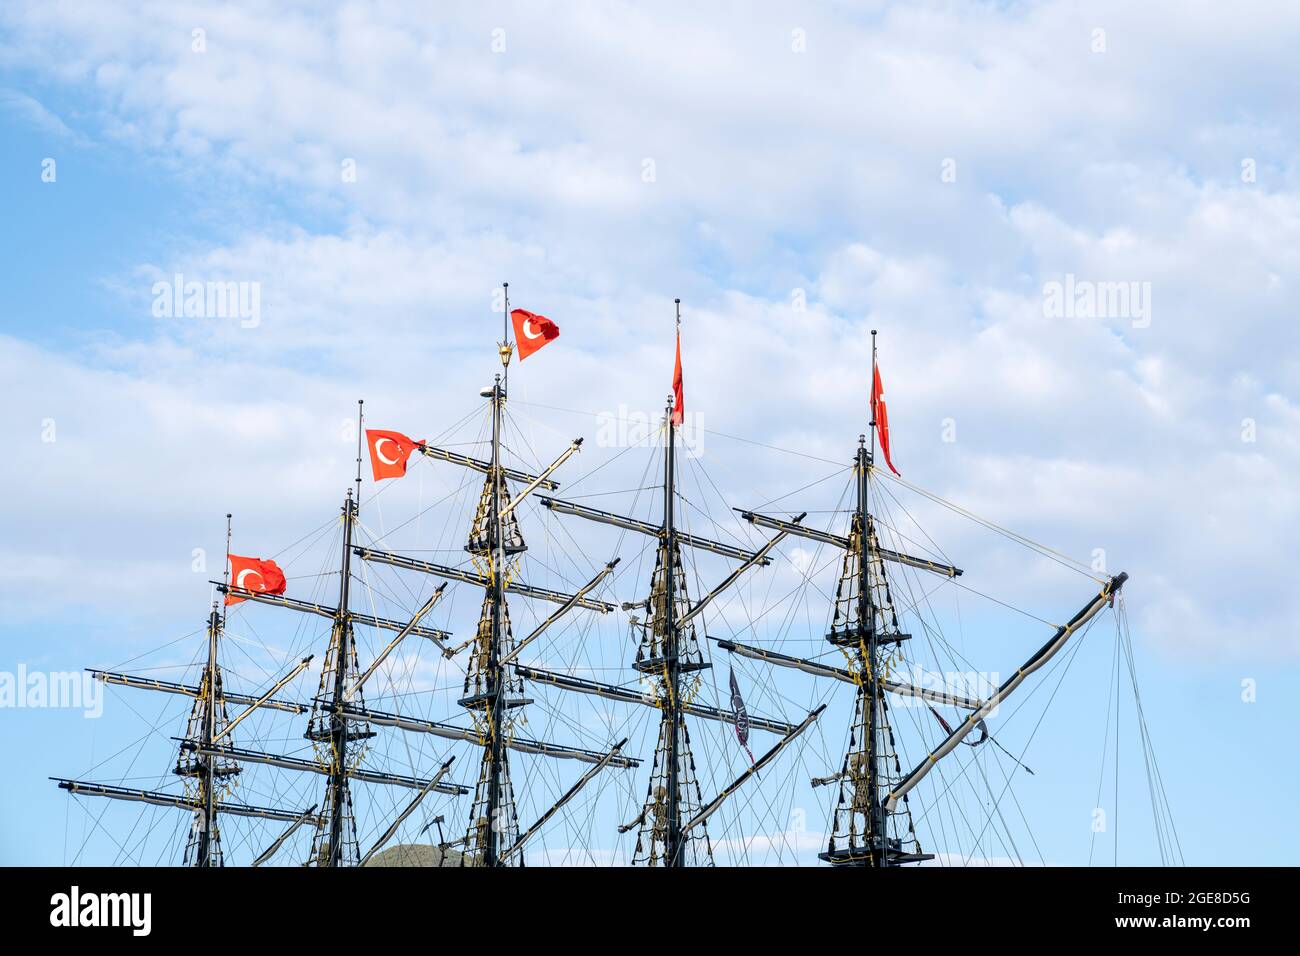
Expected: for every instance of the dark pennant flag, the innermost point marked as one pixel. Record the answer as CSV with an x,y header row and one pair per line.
x,y
742,715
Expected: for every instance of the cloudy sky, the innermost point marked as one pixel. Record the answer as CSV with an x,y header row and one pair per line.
x,y
797,174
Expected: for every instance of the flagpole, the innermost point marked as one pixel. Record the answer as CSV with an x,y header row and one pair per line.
x,y
225,572
505,337
867,620
673,713
361,419
873,395
671,647
677,303
216,625
871,457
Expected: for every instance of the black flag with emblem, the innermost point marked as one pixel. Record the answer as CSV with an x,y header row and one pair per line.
x,y
742,715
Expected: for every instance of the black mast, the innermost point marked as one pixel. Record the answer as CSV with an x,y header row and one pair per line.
x,y
496,700
207,772
207,776
496,686
865,625
672,845
671,826
338,781
867,620
494,541
341,644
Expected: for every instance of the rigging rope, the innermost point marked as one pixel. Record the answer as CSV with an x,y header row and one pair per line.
x,y
1065,560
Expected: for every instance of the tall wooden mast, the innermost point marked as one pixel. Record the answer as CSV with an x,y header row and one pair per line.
x,y
672,718
671,828
496,595
337,845
494,683
339,797
865,628
874,666
494,544
668,649
857,629
206,769
204,848
870,662
206,837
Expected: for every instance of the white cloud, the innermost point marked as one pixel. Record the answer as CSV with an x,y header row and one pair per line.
x,y
33,112
775,171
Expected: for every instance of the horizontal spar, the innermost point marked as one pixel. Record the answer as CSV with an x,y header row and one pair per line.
x,y
323,610
842,674
441,454
311,766
842,542
613,692
524,745
471,577
1041,657
450,732
159,799
189,690
644,527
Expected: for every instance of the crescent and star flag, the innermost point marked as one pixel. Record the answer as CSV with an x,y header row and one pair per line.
x,y
254,574
389,451
532,331
679,397
741,715
881,416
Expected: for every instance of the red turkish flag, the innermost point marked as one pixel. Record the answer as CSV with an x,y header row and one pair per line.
x,y
679,397
389,451
881,416
254,574
532,331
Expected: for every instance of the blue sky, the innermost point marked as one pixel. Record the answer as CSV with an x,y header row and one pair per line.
x,y
789,174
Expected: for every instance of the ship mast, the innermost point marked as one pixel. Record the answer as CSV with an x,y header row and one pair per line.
x,y
334,680
208,753
672,718
493,677
495,701
494,538
208,778
201,758
496,595
662,657
873,788
207,707
491,690
867,620
341,641
869,660
674,813
207,847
